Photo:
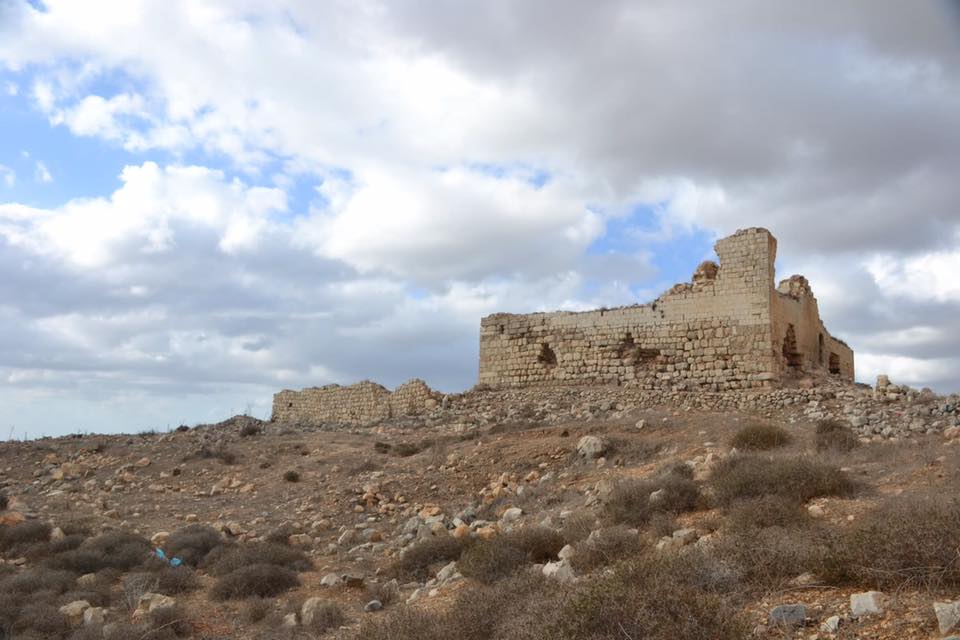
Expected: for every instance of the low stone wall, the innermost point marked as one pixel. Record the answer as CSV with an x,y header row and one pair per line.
x,y
361,404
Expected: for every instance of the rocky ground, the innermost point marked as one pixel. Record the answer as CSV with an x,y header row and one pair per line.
x,y
432,516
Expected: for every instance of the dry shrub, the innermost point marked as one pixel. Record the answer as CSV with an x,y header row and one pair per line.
x,y
112,550
655,597
799,479
768,558
415,561
327,615
407,449
172,580
38,580
540,544
263,580
908,540
169,621
250,429
605,547
766,511
23,534
228,559
291,475
385,592
630,500
490,560
192,543
631,451
760,437
577,527
255,609
833,435
40,620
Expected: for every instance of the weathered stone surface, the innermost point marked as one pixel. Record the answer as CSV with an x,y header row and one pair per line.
x,y
591,447
362,403
948,615
788,615
561,571
866,603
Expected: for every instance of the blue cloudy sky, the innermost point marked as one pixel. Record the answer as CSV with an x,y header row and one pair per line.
x,y
203,201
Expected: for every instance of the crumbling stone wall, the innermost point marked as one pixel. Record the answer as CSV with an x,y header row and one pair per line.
x,y
362,403
724,330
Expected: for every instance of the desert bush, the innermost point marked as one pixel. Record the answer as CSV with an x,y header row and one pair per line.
x,y
606,547
23,534
281,534
407,449
631,501
631,450
218,451
655,597
540,544
415,561
263,580
40,620
327,615
291,475
37,580
490,560
769,557
172,580
170,620
250,429
135,585
908,540
766,511
112,550
799,479
760,437
577,527
833,435
385,592
230,558
192,543
256,609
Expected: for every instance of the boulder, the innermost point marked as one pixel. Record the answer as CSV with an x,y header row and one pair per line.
x,y
948,615
331,580
561,571
591,447
866,603
790,615
75,609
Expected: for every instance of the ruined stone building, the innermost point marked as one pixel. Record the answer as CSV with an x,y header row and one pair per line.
x,y
362,403
731,328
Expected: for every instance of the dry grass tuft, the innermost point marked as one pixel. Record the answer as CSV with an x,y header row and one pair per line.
x,y
832,435
799,479
262,580
760,437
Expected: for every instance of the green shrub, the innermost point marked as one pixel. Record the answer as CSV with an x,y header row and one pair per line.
x,y
760,437
832,435
262,580
799,479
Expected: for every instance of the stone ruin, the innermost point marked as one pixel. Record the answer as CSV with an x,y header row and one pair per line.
x,y
728,329
362,403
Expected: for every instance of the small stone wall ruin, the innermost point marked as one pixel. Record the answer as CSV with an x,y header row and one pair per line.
x,y
362,403
729,328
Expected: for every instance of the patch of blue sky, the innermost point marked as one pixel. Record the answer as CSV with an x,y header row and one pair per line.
x,y
80,166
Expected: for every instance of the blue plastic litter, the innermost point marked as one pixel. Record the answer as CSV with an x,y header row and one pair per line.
x,y
175,562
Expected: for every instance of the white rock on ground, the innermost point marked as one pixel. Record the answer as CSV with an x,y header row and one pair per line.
x,y
561,571
866,603
948,615
591,447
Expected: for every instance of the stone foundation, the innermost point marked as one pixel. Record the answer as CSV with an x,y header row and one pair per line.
x,y
361,404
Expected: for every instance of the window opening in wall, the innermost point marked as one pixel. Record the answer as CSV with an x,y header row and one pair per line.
x,y
627,346
790,352
820,350
547,357
289,405
501,328
834,363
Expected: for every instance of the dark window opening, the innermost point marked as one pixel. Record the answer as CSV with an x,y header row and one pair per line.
x,y
626,347
547,357
834,363
289,405
790,352
820,350
501,328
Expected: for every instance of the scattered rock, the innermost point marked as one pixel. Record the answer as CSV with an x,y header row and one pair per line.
x,y
831,624
790,615
866,603
373,605
561,571
591,447
331,580
93,616
511,515
75,609
948,615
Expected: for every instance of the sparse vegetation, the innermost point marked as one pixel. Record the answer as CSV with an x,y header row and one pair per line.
x,y
760,437
262,580
228,559
799,479
833,435
489,561
291,475
414,563
193,543
634,502
607,547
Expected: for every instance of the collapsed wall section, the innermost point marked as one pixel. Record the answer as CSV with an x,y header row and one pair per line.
x,y
713,333
362,403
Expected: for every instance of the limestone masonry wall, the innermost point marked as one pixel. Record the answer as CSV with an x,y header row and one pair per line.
x,y
362,403
728,329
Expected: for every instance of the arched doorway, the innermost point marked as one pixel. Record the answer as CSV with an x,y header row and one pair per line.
x,y
791,354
